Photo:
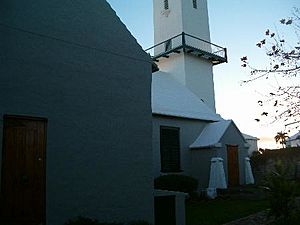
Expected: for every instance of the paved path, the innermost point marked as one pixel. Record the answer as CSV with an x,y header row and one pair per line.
x,y
260,218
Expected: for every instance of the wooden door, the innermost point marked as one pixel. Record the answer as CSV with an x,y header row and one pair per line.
x,y
23,171
233,165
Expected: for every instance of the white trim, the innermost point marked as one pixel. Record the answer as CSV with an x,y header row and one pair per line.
x,y
218,145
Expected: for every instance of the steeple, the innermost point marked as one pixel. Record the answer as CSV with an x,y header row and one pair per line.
x,y
172,17
182,45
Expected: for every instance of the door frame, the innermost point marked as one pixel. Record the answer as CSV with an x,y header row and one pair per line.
x,y
3,161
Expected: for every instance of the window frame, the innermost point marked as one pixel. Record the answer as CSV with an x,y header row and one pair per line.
x,y
173,157
166,4
195,4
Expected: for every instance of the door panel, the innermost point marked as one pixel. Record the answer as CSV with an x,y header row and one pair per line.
x,y
23,170
233,165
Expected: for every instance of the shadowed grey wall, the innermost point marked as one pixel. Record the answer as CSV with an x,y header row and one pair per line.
x,y
189,131
74,63
201,171
196,162
201,159
233,136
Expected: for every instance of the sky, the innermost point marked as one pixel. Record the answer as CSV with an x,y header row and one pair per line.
x,y
237,25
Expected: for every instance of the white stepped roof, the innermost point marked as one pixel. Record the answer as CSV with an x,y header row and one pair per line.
x,y
171,98
212,134
249,137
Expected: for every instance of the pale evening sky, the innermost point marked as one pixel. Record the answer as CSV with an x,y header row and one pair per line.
x,y
237,25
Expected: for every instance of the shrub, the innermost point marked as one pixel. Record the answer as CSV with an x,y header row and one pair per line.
x,y
180,183
87,221
282,195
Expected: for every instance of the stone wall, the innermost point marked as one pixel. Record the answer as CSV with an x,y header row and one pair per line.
x,y
262,164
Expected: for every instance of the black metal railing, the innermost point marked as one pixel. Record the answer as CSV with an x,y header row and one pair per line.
x,y
190,44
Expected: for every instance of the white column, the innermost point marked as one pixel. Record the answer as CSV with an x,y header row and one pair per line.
x,y
249,179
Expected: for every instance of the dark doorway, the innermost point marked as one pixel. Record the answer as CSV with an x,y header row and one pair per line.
x,y
165,213
23,171
233,165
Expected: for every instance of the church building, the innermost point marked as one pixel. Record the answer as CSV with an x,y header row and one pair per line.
x,y
188,134
77,135
72,142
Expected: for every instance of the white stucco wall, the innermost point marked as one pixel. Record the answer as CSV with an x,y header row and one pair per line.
x,y
180,17
174,66
294,140
294,143
252,142
232,136
195,21
199,79
189,131
194,72
200,163
201,157
252,146
75,64
167,23
196,162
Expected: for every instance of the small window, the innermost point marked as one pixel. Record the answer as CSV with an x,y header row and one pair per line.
x,y
166,4
195,4
170,149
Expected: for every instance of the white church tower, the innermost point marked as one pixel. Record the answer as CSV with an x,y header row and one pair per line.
x,y
183,48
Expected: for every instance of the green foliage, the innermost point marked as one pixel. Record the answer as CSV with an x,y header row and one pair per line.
x,y
293,219
287,155
221,211
281,137
180,183
282,194
87,221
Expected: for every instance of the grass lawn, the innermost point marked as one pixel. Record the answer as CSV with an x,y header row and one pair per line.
x,y
220,211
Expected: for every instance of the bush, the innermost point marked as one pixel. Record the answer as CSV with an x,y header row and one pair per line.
x,y
87,221
282,195
180,183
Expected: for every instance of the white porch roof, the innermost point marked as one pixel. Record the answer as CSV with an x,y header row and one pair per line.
x,y
249,137
212,134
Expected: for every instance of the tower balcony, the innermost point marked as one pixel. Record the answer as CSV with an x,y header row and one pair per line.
x,y
188,44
